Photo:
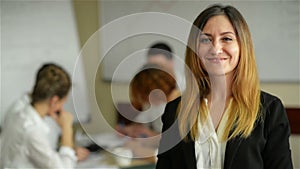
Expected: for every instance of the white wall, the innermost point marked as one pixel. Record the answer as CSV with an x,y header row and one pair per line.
x,y
33,33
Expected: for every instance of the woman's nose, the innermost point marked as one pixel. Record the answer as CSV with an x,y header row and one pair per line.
x,y
217,47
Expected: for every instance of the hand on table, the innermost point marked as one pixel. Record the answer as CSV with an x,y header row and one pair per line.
x,y
82,153
139,150
136,131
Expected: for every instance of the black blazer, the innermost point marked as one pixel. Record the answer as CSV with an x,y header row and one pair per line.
x,y
266,148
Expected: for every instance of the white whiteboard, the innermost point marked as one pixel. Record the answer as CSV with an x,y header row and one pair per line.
x,y
33,33
274,26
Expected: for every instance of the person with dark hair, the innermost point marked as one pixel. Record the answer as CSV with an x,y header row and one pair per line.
x,y
223,120
160,48
25,141
161,53
150,89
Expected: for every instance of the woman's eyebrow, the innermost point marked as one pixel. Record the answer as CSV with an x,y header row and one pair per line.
x,y
223,33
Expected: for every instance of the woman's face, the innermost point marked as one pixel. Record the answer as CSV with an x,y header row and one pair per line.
x,y
218,47
56,104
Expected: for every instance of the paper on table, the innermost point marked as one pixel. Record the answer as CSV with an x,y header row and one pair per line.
x,y
95,160
110,140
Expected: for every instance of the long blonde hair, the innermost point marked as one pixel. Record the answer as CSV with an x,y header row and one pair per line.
x,y
244,109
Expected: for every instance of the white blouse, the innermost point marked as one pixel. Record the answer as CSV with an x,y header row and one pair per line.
x,y
25,142
209,147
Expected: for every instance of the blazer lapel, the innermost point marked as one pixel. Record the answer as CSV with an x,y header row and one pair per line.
x,y
189,154
231,149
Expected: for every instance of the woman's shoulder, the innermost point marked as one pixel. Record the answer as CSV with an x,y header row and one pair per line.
x,y
177,99
273,110
173,104
268,99
171,109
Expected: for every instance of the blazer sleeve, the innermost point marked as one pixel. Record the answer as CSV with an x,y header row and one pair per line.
x,y
168,119
277,153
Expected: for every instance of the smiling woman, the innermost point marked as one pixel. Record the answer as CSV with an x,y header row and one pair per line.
x,y
223,113
218,46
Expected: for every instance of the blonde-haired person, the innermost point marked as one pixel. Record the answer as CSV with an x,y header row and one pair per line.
x,y
223,120
25,140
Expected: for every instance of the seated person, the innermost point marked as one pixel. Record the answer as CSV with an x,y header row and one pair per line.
x,y
55,132
150,90
25,139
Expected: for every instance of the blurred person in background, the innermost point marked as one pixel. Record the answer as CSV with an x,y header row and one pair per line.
x,y
26,137
150,90
161,53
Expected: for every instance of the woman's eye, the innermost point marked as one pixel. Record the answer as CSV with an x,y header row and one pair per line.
x,y
205,40
226,39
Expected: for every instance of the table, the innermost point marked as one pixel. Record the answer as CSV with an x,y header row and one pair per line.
x,y
106,160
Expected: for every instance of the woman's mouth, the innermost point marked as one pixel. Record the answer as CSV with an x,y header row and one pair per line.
x,y
216,60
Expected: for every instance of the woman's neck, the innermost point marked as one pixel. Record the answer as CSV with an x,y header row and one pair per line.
x,y
41,108
220,87
219,97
